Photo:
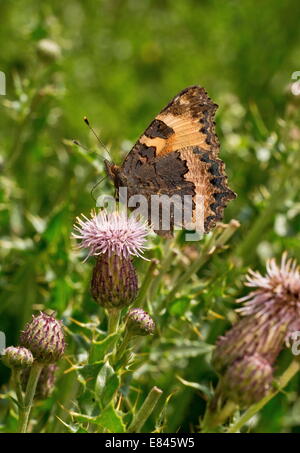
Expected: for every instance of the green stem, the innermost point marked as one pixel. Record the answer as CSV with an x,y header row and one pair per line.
x,y
114,315
289,373
145,410
211,421
123,347
16,374
139,301
67,391
217,241
246,249
29,395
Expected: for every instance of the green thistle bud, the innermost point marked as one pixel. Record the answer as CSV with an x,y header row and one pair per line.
x,y
139,322
45,383
17,357
44,336
247,380
48,50
114,281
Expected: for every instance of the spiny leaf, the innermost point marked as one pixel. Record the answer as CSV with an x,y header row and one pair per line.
x,y
101,348
109,419
195,385
107,383
87,374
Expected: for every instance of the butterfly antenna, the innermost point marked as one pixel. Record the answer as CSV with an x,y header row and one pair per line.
x,y
77,143
97,136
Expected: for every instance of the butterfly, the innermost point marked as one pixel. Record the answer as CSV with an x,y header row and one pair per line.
x,y
178,155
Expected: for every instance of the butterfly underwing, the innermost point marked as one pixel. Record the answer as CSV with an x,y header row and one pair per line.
x,y
178,155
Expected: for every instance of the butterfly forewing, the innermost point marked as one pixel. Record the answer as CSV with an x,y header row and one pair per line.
x,y
178,155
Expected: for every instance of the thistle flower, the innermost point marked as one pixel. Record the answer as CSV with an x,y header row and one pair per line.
x,y
277,295
111,233
140,322
247,380
248,337
114,239
270,314
17,357
44,336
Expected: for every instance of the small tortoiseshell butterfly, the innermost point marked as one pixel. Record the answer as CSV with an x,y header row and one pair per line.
x,y
178,155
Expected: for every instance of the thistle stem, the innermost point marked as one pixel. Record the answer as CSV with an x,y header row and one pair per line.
x,y
145,410
289,373
29,395
139,301
114,315
123,347
212,421
16,375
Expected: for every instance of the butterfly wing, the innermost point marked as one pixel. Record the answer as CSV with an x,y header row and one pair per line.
x,y
178,155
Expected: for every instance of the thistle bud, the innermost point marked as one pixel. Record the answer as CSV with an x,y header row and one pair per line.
x,y
247,380
48,50
114,281
17,357
44,336
140,323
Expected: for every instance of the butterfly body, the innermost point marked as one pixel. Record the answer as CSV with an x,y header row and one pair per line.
x,y
178,155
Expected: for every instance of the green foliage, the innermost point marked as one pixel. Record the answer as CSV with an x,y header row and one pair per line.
x,y
119,63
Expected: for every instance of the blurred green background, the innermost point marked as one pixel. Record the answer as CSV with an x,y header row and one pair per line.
x,y
119,63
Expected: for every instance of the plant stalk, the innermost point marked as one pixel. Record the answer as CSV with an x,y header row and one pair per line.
x,y
16,375
123,347
145,410
142,295
29,395
114,315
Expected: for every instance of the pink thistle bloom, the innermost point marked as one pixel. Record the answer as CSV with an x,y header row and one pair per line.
x,y
270,315
277,295
111,233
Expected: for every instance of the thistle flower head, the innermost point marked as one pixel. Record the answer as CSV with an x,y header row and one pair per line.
x,y
17,357
44,336
277,295
140,322
111,233
247,337
271,314
247,380
114,282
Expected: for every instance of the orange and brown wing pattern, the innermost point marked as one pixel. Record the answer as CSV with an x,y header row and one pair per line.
x,y
178,154
188,120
